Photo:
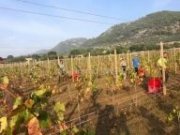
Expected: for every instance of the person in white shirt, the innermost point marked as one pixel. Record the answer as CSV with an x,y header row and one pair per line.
x,y
123,67
62,71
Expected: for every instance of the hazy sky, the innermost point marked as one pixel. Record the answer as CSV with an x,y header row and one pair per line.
x,y
22,33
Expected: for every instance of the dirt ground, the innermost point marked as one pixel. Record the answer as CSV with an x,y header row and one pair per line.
x,y
116,111
112,111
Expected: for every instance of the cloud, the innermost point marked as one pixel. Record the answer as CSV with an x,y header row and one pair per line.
x,y
159,4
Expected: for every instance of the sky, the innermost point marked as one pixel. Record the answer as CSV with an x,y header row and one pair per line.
x,y
24,33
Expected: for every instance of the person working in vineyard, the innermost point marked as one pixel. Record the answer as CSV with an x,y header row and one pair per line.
x,y
61,65
163,63
123,67
136,63
62,71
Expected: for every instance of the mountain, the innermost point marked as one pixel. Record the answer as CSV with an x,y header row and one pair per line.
x,y
67,45
43,51
151,29
146,31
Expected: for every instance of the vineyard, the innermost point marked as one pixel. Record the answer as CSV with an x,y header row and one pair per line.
x,y
91,98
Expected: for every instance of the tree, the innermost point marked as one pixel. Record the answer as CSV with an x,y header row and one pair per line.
x,y
52,55
35,56
10,57
75,52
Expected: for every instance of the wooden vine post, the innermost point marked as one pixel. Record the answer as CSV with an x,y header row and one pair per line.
x,y
89,68
163,69
178,59
112,63
135,88
116,67
175,64
143,53
72,69
79,109
98,65
130,58
48,64
127,59
148,56
79,61
58,62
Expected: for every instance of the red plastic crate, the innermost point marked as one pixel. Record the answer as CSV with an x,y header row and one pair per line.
x,y
154,85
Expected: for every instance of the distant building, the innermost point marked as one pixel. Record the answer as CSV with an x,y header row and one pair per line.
x,y
29,60
79,56
104,52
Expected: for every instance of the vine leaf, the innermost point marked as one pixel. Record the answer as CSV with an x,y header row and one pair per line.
x,y
59,108
3,124
40,92
4,82
29,103
75,130
18,101
34,127
44,119
13,122
63,127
